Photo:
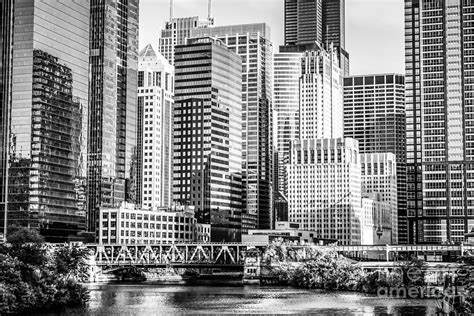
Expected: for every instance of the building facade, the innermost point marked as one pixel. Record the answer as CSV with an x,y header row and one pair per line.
x,y
175,33
439,119
252,43
379,180
6,37
324,189
154,130
207,165
44,94
316,21
374,114
320,96
286,76
376,220
129,224
113,105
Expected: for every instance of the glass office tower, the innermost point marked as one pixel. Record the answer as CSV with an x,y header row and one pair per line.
x,y
316,21
439,119
207,164
44,115
252,43
113,105
6,34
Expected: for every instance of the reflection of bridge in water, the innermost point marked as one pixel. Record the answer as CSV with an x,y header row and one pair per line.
x,y
234,254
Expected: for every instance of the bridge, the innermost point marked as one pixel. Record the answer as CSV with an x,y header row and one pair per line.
x,y
234,254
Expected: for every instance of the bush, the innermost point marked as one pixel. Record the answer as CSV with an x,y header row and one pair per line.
x,y
33,277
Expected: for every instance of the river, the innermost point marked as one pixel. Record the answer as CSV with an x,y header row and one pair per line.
x,y
148,299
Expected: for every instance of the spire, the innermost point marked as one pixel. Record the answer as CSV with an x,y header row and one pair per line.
x,y
209,9
171,10
148,51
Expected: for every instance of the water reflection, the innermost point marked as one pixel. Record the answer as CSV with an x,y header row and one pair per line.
x,y
161,299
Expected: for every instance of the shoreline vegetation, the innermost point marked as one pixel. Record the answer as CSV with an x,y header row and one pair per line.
x,y
327,270
37,277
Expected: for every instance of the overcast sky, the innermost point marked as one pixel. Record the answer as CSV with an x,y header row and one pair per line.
x,y
374,28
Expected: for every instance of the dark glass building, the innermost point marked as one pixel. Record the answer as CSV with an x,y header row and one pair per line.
x,y
316,21
374,114
44,115
207,166
113,105
6,33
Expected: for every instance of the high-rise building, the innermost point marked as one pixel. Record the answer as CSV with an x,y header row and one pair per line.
x,y
320,96
374,114
6,37
252,43
207,166
324,190
439,119
334,23
303,22
154,130
113,105
316,21
176,31
286,76
44,102
379,179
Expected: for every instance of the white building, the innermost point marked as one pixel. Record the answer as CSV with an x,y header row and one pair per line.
x,y
155,124
377,220
379,177
321,96
176,31
286,75
130,225
324,192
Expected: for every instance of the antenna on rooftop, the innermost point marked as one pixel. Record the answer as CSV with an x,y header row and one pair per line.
x,y
171,10
209,9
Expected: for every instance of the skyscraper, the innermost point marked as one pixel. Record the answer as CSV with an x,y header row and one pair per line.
x,y
286,76
252,43
207,165
321,91
6,36
324,193
316,21
374,114
334,22
176,31
439,119
113,105
155,129
303,22
44,95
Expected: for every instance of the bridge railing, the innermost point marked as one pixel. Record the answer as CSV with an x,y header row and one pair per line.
x,y
230,253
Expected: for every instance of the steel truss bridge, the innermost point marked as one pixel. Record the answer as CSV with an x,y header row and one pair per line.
x,y
233,254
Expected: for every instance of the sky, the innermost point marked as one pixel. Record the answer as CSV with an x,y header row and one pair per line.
x,y
374,28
